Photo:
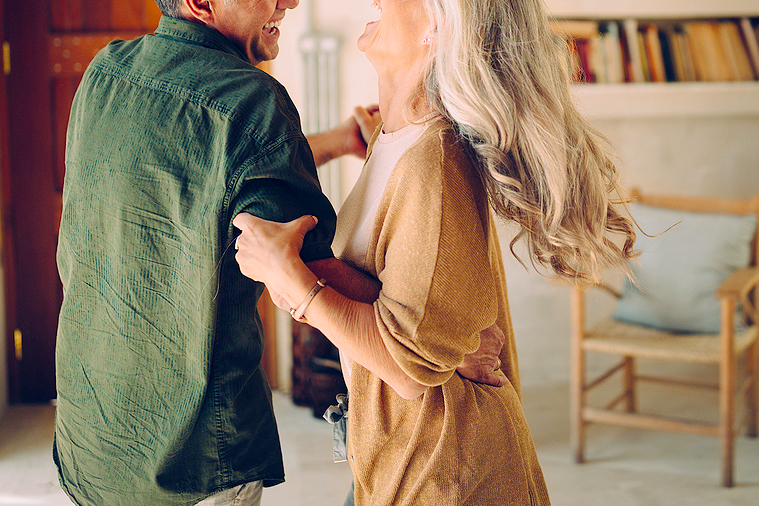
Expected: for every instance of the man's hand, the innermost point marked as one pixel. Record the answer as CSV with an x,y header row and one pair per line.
x,y
484,366
368,119
359,129
348,138
269,252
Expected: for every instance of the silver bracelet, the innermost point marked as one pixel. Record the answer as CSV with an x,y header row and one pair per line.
x,y
297,314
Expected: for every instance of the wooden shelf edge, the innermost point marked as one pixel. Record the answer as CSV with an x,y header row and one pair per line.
x,y
667,100
651,9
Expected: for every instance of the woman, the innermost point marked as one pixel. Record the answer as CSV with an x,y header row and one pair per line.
x,y
476,109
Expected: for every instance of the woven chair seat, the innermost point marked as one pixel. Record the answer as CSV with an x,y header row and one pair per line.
x,y
614,336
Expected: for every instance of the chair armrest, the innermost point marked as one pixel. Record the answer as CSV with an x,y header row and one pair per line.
x,y
739,283
608,289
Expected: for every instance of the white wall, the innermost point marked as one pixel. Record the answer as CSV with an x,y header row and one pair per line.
x,y
690,156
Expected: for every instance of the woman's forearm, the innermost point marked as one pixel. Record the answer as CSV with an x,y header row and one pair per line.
x,y
348,281
352,328
269,252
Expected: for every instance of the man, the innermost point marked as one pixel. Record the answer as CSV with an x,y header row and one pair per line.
x,y
161,396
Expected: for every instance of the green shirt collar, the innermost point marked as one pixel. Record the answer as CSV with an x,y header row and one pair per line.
x,y
196,33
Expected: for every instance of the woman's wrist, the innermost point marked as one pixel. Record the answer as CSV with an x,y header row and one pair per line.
x,y
298,313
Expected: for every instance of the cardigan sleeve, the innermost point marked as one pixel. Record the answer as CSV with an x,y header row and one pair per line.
x,y
438,289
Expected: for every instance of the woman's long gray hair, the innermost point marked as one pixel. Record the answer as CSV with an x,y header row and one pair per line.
x,y
500,75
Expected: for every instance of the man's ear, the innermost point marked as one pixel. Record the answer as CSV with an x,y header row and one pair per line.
x,y
198,10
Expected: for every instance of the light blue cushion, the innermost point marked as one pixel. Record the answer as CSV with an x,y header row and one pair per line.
x,y
680,270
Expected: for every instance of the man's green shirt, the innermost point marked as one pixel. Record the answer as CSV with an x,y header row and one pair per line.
x,y
161,396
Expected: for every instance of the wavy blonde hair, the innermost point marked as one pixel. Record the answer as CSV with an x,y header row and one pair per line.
x,y
500,75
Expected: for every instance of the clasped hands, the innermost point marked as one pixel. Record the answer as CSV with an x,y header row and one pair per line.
x,y
269,252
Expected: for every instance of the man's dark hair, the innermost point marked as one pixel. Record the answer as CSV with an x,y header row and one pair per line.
x,y
169,7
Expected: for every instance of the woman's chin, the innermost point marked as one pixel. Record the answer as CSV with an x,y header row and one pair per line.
x,y
366,38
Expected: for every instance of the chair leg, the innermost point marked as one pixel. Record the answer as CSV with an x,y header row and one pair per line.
x,y
577,402
577,377
630,384
727,391
752,368
727,436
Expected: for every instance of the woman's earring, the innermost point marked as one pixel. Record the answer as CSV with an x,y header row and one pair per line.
x,y
425,41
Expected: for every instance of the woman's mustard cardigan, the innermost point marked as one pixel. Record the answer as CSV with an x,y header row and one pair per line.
x,y
435,250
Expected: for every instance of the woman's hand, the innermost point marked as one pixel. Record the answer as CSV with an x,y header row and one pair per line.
x,y
269,252
484,366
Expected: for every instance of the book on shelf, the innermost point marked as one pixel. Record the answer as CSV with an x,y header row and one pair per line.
x,y
612,52
653,52
646,65
579,35
750,37
668,58
596,50
737,54
632,47
709,52
680,52
616,51
584,72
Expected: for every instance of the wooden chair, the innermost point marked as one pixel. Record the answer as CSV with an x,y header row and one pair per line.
x,y
631,341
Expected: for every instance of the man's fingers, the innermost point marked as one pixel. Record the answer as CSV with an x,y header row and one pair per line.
x,y
364,120
305,223
243,219
367,120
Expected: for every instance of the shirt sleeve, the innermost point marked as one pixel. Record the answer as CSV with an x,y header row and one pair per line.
x,y
438,289
281,184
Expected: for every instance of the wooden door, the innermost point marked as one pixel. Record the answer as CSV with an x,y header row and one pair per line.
x,y
4,163
50,44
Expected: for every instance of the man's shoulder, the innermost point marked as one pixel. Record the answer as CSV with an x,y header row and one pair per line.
x,y
172,63
213,79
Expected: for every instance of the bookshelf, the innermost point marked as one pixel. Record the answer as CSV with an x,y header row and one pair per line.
x,y
717,98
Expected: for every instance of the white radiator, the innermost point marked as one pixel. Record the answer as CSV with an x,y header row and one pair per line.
x,y
320,54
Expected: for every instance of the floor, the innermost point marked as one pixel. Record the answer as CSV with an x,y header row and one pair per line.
x,y
626,467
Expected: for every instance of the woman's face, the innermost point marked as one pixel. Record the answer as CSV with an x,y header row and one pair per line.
x,y
395,41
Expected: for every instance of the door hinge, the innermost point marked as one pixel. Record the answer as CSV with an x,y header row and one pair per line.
x,y
6,57
17,341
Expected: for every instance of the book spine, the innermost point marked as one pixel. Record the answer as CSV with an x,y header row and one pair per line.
x,y
676,52
667,57
630,27
612,53
653,51
752,46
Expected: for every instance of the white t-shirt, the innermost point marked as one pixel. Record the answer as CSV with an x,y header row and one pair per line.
x,y
356,217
